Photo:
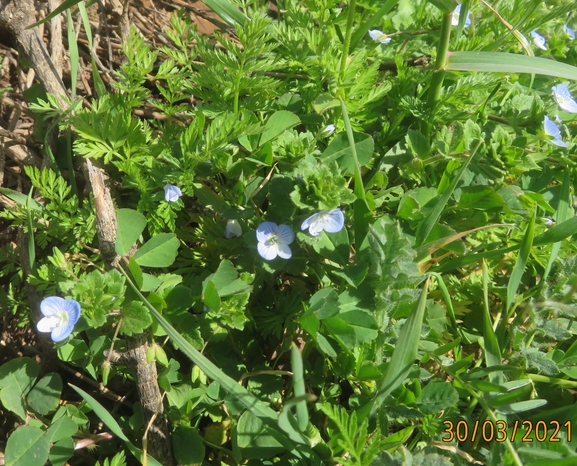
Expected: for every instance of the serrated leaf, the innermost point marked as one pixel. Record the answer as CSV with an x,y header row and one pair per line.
x,y
159,251
135,318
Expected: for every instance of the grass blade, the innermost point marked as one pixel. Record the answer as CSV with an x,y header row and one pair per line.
x,y
114,427
31,245
433,216
522,258
498,62
98,83
299,387
405,351
67,4
227,12
492,350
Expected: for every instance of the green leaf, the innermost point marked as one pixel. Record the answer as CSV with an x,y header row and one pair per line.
x,y
437,396
21,199
20,373
522,406
111,423
446,6
61,451
277,124
498,62
253,438
12,398
61,428
45,396
159,251
188,445
67,4
27,446
135,318
521,262
324,304
131,224
227,12
324,102
210,297
480,198
299,387
340,150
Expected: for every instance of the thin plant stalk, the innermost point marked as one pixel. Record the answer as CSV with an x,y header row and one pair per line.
x,y
348,34
440,62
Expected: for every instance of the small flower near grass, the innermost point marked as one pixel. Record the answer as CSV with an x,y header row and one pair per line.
x,y
552,130
569,31
379,36
172,193
456,14
564,98
274,240
232,229
331,222
330,129
539,40
60,316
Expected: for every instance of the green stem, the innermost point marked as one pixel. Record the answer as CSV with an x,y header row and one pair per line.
x,y
237,85
348,34
440,63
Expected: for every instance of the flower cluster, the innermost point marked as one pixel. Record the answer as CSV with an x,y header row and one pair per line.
x,y
60,316
274,240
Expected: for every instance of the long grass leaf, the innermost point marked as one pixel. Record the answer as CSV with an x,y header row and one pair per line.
x,y
114,427
227,12
31,245
522,258
433,216
497,62
563,213
67,4
299,387
98,83
405,351
492,350
73,51
448,302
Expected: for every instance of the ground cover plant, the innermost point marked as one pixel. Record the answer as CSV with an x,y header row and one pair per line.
x,y
320,232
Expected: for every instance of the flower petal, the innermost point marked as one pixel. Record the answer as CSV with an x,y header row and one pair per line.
x,y
264,231
284,251
379,36
309,221
232,229
73,309
51,306
539,40
569,31
267,252
551,129
564,98
172,193
285,234
61,331
47,324
334,221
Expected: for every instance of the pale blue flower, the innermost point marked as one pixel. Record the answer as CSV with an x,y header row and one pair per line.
x,y
330,129
331,222
538,40
548,221
232,229
60,316
455,19
564,98
552,130
379,36
273,240
171,193
569,31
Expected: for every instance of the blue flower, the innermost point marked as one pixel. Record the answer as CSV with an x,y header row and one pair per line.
x,y
569,31
564,98
379,36
456,14
330,129
552,130
232,229
331,222
60,316
172,193
273,240
539,40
